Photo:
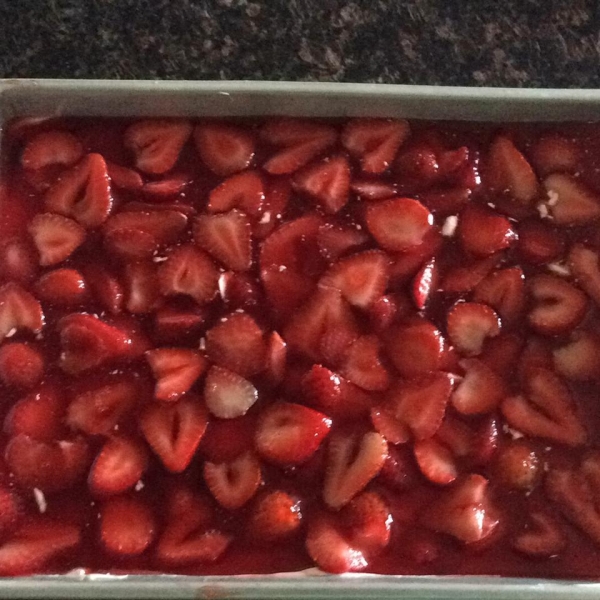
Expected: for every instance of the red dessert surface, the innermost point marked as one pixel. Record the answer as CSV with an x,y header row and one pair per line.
x,y
259,346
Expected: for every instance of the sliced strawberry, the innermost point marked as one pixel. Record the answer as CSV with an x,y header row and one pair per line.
x,y
289,434
190,272
224,149
469,324
384,311
579,358
536,354
571,203
130,244
35,544
542,536
480,391
545,410
501,353
119,465
21,365
399,472
237,343
276,357
335,343
436,461
300,141
141,287
559,306
55,237
48,466
227,394
398,224
244,191
539,243
362,365
424,283
385,422
275,516
334,241
508,171
352,463
227,237
553,153
226,439
165,188
104,287
277,196
417,166
456,435
19,310
240,291
51,148
176,205
176,370
157,144
368,520
372,189
233,483
327,181
446,202
482,231
83,193
124,178
164,226
586,270
64,287
18,260
174,323
517,466
465,278
374,141
484,444
174,431
504,291
127,526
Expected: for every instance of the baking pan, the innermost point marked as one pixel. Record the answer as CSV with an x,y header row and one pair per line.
x,y
22,97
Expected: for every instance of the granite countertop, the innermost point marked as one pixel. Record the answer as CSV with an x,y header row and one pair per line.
x,y
536,43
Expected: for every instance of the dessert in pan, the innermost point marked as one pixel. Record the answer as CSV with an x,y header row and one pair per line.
x,y
258,346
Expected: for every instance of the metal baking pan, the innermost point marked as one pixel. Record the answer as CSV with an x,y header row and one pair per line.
x,y
22,97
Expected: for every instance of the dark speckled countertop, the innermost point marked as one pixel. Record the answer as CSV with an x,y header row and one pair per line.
x,y
536,43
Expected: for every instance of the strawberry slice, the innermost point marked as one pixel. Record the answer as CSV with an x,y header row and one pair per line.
x,y
141,287
327,181
55,237
385,422
483,232
398,224
586,270
130,244
552,153
63,287
119,465
425,283
469,324
35,544
368,189
51,148
579,358
157,144
83,193
226,439
464,511
559,306
368,520
384,311
226,237
237,343
336,240
456,435
277,196
300,140
507,170
546,410
233,483
363,367
539,243
417,166
174,323
244,191
275,516
224,149
399,472
276,358
173,186
374,141
19,310
446,202
481,389
436,461
48,466
21,365
542,536
352,463
239,291
127,526
104,287
18,260
176,370
502,352
174,431
504,291
227,394
517,466
571,203
289,434
465,278
164,226
484,444
124,178
190,272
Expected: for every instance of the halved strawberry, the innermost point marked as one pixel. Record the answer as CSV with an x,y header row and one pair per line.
x,y
586,270
385,422
546,409
446,202
174,323
224,149
579,358
233,483
456,435
542,536
398,224
130,244
504,291
163,226
63,287
362,365
127,525
55,237
436,461
51,148
571,203
174,430
18,260
300,140
19,310
141,287
244,191
83,192
352,463
399,472
507,170
105,288
227,237
165,188
417,166
289,434
469,324
368,189
424,283
480,390
124,178
157,143
190,272
335,240
176,370
237,343
559,306
21,365
227,394
368,521
552,153
374,141
118,466
483,232
466,277
383,312
276,358
240,291
539,243
517,466
275,516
